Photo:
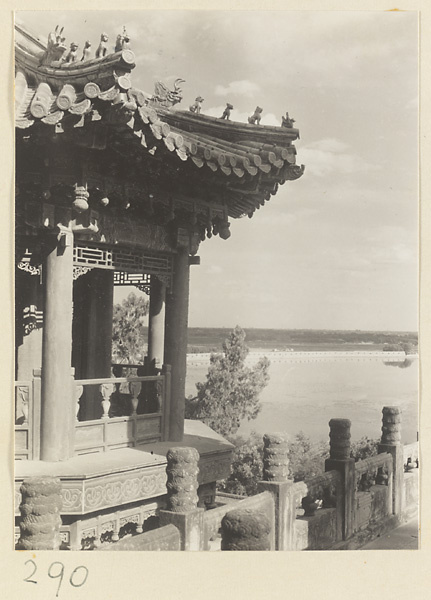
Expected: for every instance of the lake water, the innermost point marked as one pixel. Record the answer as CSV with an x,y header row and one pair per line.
x,y
305,392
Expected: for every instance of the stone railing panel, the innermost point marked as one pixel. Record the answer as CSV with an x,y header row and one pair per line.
x,y
162,539
319,515
373,490
262,502
376,470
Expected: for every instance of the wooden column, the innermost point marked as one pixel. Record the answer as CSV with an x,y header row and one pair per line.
x,y
99,323
177,305
156,323
57,402
92,343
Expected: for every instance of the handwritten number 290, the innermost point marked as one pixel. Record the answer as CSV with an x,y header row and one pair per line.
x,y
56,571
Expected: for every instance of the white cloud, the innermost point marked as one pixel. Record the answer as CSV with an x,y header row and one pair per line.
x,y
238,88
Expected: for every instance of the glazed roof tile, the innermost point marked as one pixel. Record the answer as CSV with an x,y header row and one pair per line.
x,y
73,95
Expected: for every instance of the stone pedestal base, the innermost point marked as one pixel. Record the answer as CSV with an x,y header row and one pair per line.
x,y
190,525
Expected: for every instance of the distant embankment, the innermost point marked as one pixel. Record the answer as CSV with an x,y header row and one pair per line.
x,y
275,356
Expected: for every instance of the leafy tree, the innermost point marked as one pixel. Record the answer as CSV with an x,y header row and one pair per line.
x,y
246,467
305,460
129,338
231,391
408,347
364,448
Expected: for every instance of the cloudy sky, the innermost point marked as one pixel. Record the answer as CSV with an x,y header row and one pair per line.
x,y
336,249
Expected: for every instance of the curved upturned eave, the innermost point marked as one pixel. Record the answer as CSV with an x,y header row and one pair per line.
x,y
231,131
29,51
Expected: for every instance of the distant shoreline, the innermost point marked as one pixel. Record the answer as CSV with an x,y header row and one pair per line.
x,y
255,354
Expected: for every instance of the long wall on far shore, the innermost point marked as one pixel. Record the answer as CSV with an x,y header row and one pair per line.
x,y
276,356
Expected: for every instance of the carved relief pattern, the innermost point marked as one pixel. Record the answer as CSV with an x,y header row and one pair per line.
x,y
40,513
28,268
32,319
275,458
125,490
182,484
391,427
79,270
72,499
110,493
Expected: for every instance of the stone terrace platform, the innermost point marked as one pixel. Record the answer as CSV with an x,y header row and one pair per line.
x,y
108,480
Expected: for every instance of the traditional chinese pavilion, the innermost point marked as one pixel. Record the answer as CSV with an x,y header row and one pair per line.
x,y
117,187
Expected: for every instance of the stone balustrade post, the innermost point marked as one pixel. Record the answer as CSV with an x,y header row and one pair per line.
x,y
276,481
391,443
245,529
339,460
182,497
40,514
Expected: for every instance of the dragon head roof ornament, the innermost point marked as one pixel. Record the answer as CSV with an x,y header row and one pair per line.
x,y
166,97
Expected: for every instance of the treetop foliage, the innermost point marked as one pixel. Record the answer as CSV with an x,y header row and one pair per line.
x,y
129,339
231,391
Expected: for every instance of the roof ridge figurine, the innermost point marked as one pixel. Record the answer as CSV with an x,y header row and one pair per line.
x,y
226,112
72,54
256,116
287,121
122,41
196,107
166,97
55,48
86,51
103,46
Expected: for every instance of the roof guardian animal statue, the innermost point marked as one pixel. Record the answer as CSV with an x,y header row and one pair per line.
x,y
226,112
256,116
103,46
86,51
72,54
196,107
